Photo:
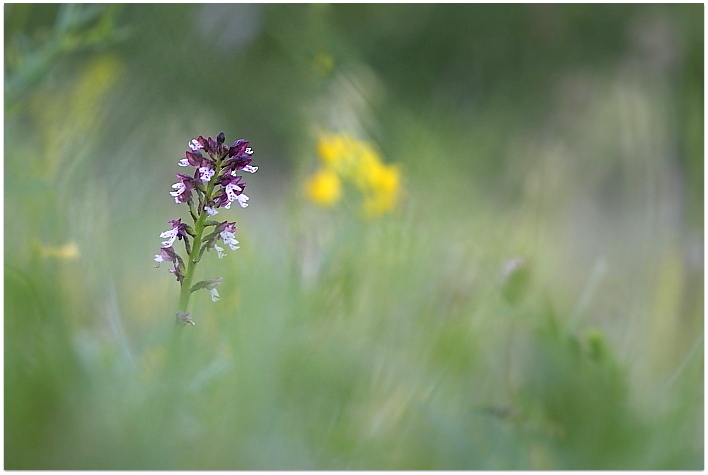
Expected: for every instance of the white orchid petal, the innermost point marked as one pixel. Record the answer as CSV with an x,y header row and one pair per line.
x,y
171,235
205,174
214,295
242,200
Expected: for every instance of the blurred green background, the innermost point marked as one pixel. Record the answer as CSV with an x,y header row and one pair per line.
x,y
535,302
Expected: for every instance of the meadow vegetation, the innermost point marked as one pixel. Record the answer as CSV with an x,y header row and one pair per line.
x,y
475,239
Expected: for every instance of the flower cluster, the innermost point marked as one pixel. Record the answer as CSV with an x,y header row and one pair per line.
x,y
215,183
346,159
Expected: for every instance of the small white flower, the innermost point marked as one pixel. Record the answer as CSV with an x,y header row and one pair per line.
x,y
242,200
179,189
171,235
194,145
231,190
219,251
230,239
205,174
210,285
158,258
250,169
210,211
183,163
249,150
214,295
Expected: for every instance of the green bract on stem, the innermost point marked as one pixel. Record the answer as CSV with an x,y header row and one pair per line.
x,y
216,184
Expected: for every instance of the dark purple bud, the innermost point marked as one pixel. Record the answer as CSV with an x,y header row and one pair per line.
x,y
238,148
202,141
229,179
212,146
236,163
193,158
215,148
239,155
209,145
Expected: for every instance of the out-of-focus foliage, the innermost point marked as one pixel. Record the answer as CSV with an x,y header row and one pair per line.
x,y
535,301
35,40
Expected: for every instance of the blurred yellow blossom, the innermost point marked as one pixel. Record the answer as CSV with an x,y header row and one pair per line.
x,y
324,188
338,151
346,159
383,182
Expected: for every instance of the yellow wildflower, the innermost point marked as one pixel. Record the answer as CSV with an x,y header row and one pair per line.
x,y
383,182
347,159
324,188
384,178
332,148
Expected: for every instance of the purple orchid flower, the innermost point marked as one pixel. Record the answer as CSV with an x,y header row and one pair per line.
x,y
216,184
183,188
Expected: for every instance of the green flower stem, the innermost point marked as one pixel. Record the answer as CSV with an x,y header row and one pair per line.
x,y
193,257
185,291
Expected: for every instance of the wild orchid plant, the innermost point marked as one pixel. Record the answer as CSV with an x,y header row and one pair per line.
x,y
215,184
